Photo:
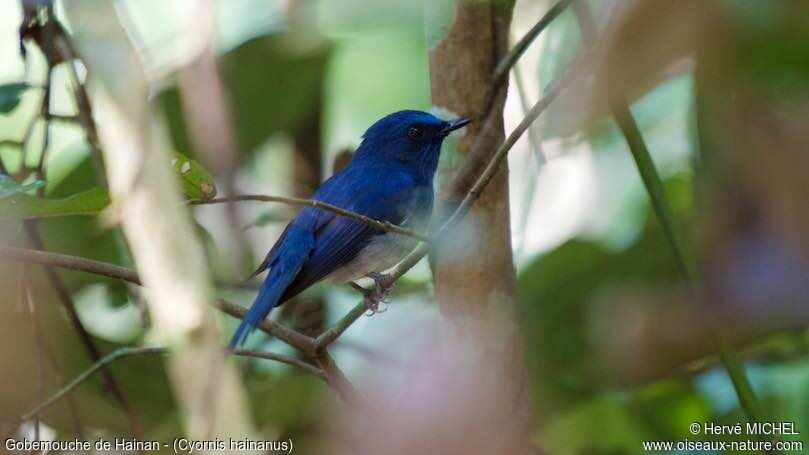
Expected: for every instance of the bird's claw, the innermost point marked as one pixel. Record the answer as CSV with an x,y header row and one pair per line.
x,y
378,295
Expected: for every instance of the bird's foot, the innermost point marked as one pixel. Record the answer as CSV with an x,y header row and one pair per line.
x,y
379,294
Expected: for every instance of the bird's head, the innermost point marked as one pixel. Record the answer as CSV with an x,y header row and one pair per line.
x,y
410,138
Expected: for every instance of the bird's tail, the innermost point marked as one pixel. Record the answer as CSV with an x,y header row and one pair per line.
x,y
282,272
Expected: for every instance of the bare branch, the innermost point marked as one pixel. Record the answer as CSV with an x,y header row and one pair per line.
x,y
521,46
296,201
69,262
99,365
295,339
150,350
329,336
308,367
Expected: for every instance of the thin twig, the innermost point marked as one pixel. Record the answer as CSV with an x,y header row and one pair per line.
x,y
84,109
27,297
44,112
95,367
326,338
308,367
291,337
381,225
136,351
535,152
66,118
521,46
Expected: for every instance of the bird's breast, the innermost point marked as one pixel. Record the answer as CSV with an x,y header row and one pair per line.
x,y
380,254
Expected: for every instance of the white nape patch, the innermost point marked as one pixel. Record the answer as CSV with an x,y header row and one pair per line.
x,y
443,113
383,252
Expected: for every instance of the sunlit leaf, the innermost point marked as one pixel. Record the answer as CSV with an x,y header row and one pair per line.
x,y
26,206
197,182
10,96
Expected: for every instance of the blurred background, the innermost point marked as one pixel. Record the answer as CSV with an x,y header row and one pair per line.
x,y
616,349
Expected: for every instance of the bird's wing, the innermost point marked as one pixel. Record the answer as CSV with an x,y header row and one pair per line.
x,y
318,241
394,198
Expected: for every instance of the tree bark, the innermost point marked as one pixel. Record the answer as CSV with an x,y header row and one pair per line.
x,y
473,265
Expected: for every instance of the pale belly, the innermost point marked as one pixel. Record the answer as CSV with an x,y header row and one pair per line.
x,y
382,253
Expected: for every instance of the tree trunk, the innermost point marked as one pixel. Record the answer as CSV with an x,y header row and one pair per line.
x,y
473,264
475,267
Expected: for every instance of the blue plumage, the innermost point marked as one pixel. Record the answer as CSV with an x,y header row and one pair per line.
x,y
389,178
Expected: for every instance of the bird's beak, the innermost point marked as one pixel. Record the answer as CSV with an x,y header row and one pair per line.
x,y
453,125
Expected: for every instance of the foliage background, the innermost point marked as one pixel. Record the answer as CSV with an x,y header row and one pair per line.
x,y
614,352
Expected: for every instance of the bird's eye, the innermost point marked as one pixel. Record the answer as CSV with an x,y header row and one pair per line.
x,y
415,132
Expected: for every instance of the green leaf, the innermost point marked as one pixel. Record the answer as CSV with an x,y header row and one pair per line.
x,y
196,181
25,206
603,425
9,187
10,96
281,95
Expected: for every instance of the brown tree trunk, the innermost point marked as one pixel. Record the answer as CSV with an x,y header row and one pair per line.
x,y
473,264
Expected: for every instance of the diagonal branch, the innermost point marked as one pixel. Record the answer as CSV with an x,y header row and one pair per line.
x,y
151,350
100,364
297,340
521,46
305,366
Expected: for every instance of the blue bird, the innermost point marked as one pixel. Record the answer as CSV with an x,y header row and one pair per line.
x,y
389,178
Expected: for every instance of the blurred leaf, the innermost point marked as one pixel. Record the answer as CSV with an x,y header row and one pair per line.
x,y
72,178
25,206
10,96
669,406
196,181
599,426
270,216
558,293
9,187
283,396
278,95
